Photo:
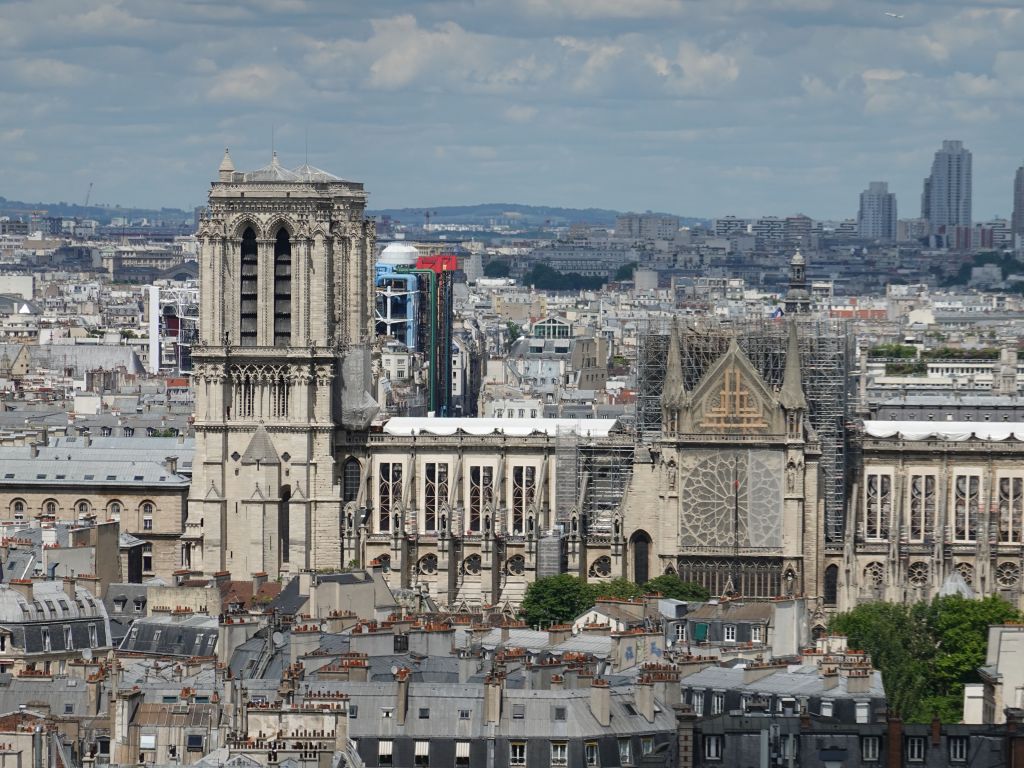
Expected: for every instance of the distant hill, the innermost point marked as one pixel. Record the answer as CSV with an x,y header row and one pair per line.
x,y
101,213
510,213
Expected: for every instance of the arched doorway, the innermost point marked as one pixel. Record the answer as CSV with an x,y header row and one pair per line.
x,y
640,549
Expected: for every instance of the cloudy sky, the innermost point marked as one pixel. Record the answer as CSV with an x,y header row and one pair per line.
x,y
700,107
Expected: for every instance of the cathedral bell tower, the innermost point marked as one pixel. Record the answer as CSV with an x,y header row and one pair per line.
x,y
281,370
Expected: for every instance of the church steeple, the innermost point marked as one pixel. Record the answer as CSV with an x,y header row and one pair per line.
x,y
798,298
673,395
791,397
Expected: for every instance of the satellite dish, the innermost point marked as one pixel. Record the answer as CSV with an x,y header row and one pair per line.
x,y
394,670
87,654
278,639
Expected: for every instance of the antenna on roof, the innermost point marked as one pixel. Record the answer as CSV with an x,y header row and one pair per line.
x,y
272,152
307,145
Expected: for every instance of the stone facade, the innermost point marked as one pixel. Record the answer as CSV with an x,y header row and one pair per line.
x,y
729,495
467,517
281,371
936,507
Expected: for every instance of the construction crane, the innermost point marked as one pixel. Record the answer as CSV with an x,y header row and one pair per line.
x,y
88,194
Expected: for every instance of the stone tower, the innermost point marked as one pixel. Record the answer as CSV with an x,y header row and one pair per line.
x,y
281,371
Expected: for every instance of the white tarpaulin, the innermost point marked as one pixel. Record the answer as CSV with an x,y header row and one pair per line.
x,y
412,425
945,430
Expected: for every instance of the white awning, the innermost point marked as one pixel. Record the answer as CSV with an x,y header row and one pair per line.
x,y
422,749
384,748
462,749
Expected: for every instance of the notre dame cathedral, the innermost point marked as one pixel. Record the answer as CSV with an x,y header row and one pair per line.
x,y
282,369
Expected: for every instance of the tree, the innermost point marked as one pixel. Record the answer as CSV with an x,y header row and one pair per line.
x,y
625,272
555,599
497,268
672,586
926,652
959,630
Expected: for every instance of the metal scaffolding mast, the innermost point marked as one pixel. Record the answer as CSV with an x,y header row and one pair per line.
x,y
825,352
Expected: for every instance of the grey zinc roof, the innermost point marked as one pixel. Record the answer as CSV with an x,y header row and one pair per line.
x,y
172,636
84,357
796,680
89,472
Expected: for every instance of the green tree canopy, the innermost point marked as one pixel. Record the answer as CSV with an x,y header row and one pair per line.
x,y
555,599
672,586
625,272
497,268
925,652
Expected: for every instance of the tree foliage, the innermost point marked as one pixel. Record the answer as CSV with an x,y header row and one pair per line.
x,y
625,272
926,652
546,278
555,599
497,268
558,599
672,586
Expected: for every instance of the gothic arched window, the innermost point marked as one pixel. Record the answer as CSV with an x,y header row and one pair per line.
x,y
248,298
282,289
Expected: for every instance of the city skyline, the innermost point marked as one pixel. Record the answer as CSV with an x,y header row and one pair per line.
x,y
699,109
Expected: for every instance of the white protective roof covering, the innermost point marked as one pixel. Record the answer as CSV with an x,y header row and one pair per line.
x,y
411,425
945,430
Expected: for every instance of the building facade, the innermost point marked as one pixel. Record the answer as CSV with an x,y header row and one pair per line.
x,y
729,496
936,507
281,369
946,202
877,217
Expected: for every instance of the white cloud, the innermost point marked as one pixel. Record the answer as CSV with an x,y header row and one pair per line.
x,y
519,113
46,72
255,83
692,70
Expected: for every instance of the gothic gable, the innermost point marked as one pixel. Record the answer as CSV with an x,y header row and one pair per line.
x,y
732,397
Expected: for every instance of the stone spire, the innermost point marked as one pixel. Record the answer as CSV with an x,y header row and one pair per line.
x,y
674,392
792,395
226,167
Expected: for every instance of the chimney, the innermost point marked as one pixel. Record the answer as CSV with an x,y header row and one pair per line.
x,y
894,742
469,664
936,730
756,671
858,680
23,587
601,702
258,580
171,464
685,719
492,699
34,450
221,577
643,695
69,588
305,581
559,633
557,683
402,694
830,678
1014,737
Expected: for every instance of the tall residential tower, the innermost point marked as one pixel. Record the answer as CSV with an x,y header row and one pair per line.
x,y
876,218
946,202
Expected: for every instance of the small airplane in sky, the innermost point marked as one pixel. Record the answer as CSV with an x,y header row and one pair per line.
x,y
892,15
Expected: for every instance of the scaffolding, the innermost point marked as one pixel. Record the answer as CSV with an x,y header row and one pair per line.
x,y
592,477
825,354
